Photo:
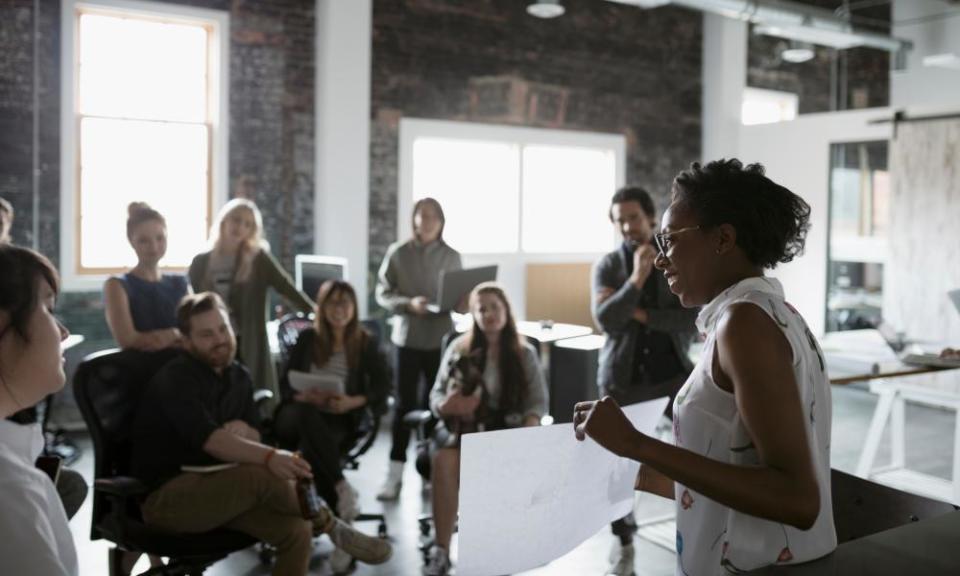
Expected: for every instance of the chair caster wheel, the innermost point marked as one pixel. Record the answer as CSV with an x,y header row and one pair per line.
x,y
266,555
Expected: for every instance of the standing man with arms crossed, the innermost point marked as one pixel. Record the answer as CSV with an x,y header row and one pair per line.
x,y
648,331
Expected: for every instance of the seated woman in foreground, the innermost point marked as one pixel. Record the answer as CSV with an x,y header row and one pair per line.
x,y
325,425
489,379
750,468
34,535
141,305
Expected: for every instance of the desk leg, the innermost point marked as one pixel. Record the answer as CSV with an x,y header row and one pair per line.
x,y
898,433
875,433
956,458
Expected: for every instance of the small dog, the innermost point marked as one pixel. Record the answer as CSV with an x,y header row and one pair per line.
x,y
466,376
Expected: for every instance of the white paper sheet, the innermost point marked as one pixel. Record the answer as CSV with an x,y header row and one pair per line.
x,y
530,495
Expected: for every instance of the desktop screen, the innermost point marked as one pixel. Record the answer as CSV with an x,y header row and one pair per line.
x,y
312,271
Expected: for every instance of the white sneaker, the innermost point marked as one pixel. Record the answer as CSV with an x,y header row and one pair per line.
x,y
367,549
341,562
348,505
439,564
391,486
621,560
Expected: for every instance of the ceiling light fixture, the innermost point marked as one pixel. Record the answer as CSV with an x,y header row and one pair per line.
x,y
798,53
546,9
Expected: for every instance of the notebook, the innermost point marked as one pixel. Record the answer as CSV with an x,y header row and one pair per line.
x,y
303,381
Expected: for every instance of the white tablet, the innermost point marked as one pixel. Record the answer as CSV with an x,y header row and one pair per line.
x,y
303,381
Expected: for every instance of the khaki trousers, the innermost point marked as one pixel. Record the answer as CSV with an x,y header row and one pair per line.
x,y
247,498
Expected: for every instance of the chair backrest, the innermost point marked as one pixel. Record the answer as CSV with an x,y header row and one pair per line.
x,y
288,330
862,507
108,386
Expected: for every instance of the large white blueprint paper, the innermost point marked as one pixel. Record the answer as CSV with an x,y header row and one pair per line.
x,y
530,495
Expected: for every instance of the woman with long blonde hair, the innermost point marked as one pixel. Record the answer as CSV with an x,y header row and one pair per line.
x,y
240,268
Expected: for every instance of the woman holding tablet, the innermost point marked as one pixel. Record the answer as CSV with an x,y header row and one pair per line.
x,y
322,423
407,283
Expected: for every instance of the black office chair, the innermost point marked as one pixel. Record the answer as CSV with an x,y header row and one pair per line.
x,y
422,423
862,507
287,333
107,386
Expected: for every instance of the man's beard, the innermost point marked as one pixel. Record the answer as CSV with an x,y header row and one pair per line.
x,y
217,358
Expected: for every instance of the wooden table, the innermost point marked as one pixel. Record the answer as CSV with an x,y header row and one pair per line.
x,y
861,355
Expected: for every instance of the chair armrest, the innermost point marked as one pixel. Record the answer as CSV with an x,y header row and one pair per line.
x,y
417,418
122,486
262,395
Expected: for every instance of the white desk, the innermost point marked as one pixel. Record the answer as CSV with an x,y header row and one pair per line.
x,y
937,389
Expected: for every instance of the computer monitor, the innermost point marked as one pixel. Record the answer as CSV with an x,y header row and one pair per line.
x,y
311,271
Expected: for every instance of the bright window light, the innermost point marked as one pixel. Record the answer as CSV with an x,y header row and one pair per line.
x,y
767,106
144,134
509,191
166,168
133,68
566,192
478,185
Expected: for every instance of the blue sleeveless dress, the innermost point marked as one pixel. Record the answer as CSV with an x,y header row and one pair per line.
x,y
153,305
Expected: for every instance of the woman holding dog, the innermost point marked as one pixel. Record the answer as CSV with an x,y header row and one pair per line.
x,y
508,391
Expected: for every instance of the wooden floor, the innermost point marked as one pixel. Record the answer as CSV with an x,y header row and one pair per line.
x,y
929,449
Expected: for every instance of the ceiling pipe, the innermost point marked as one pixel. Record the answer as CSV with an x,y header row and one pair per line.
x,y
790,20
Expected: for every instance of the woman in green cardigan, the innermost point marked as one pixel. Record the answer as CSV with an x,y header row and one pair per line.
x,y
240,269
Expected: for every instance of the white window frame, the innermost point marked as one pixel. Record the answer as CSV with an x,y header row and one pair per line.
x,y
219,23
779,96
512,265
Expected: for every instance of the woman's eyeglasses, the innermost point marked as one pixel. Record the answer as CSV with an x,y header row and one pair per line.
x,y
664,242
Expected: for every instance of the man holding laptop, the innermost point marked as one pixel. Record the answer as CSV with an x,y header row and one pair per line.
x,y
407,283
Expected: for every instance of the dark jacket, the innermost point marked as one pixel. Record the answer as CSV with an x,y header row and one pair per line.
x,y
615,317
371,378
184,403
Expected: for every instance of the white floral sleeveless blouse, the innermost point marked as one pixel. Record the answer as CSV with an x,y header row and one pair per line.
x,y
711,538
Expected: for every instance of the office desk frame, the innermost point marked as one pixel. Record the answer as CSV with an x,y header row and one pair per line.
x,y
893,395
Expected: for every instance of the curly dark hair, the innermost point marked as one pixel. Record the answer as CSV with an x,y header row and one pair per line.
x,y
771,221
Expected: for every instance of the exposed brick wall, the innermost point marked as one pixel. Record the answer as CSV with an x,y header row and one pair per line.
x,y
601,67
834,79
271,158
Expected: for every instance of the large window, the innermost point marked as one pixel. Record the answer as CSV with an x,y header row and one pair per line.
x,y
512,190
767,106
858,232
143,121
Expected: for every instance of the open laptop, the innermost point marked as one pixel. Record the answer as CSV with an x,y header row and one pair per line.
x,y
455,284
898,345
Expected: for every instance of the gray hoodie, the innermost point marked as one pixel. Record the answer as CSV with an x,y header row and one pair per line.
x,y
412,269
